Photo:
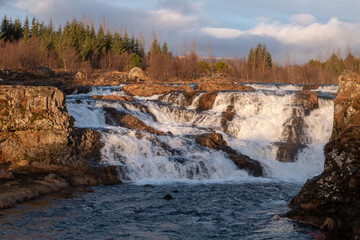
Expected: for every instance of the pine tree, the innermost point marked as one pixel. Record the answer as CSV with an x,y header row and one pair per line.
x,y
26,29
34,32
259,58
164,49
18,31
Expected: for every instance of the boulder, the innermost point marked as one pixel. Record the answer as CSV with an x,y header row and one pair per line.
x,y
45,72
216,141
167,197
136,73
79,76
308,100
207,100
212,140
331,200
117,118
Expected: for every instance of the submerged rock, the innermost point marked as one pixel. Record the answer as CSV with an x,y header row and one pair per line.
x,y
287,152
167,197
331,200
216,141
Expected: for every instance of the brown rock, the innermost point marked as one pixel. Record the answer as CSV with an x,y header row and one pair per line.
x,y
331,200
287,152
112,97
310,87
108,175
211,140
211,86
230,113
308,100
207,100
5,175
126,120
216,141
149,89
136,73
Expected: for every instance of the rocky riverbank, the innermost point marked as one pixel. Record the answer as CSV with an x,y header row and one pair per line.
x,y
330,201
40,149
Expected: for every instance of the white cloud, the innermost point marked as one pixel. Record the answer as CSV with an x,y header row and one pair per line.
x,y
303,19
334,33
222,32
169,18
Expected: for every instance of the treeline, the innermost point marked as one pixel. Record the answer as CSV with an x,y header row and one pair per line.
x,y
76,45
81,46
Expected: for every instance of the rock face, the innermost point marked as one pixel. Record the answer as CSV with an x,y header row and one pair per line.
x,y
38,137
331,200
216,141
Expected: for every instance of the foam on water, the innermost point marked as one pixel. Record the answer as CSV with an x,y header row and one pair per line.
x,y
258,124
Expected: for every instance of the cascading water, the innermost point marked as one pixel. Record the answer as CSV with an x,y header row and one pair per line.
x,y
212,198
259,124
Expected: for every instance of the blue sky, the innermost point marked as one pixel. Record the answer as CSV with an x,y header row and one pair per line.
x,y
294,31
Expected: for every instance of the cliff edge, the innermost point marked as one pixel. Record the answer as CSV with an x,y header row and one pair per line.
x,y
40,149
331,201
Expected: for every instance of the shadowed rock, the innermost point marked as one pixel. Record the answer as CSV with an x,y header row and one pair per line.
x,y
216,141
331,200
117,118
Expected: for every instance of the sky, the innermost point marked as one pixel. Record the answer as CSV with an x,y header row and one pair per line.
x,y
293,31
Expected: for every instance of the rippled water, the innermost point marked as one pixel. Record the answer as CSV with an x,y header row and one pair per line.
x,y
132,211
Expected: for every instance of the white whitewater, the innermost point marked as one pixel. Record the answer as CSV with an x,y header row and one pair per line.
x,y
258,124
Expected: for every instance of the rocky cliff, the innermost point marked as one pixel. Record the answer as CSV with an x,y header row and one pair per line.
x,y
331,200
38,138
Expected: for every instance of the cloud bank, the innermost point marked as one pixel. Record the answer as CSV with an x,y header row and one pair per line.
x,y
286,27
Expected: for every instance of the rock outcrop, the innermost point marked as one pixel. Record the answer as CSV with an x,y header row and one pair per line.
x,y
216,141
149,89
213,86
207,100
117,118
331,200
38,137
137,74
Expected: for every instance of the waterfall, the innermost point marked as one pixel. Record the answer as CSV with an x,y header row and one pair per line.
x,y
262,120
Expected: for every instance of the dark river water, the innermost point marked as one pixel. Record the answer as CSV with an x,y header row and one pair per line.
x,y
241,210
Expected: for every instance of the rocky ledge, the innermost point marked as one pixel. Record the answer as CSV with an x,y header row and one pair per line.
x,y
330,201
40,149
